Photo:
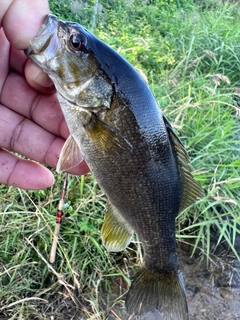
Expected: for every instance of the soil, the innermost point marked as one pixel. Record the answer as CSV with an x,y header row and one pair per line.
x,y
213,290
213,287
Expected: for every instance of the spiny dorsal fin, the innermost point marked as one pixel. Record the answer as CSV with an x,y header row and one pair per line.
x,y
116,233
191,189
105,137
70,155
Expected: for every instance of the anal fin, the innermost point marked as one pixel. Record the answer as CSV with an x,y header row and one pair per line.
x,y
116,233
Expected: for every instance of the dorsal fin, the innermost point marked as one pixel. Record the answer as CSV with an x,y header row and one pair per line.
x,y
191,188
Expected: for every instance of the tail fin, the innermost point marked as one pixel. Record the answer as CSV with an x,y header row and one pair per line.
x,y
152,291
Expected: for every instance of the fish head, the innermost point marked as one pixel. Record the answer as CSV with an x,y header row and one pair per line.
x,y
63,50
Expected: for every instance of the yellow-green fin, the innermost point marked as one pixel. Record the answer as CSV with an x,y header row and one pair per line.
x,y
70,155
105,137
116,233
191,188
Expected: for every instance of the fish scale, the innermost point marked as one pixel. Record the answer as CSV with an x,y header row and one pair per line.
x,y
133,152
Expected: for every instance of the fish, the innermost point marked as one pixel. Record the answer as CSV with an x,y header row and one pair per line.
x,y
118,128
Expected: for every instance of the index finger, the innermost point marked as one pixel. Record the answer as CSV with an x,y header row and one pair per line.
x,y
41,108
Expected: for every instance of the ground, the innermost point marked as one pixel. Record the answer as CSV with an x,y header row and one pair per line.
x,y
214,291
212,286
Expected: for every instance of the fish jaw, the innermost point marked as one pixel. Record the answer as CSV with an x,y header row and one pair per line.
x,y
74,72
44,45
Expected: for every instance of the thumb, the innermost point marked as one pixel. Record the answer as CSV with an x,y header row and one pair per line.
x,y
22,20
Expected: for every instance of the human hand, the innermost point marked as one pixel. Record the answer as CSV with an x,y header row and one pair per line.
x,y
31,121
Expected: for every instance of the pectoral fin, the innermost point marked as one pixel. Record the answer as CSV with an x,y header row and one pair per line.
x,y
191,189
116,233
105,137
70,155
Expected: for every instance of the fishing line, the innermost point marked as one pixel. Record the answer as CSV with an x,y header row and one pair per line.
x,y
58,221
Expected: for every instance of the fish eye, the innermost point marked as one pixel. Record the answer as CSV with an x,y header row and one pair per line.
x,y
77,42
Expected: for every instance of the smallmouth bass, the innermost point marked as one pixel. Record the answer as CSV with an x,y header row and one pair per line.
x,y
130,147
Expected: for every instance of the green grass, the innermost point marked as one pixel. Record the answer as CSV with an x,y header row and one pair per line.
x,y
190,55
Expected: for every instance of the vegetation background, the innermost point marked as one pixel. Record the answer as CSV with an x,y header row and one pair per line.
x,y
189,51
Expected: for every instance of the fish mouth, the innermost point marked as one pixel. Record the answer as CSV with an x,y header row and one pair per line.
x,y
45,43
